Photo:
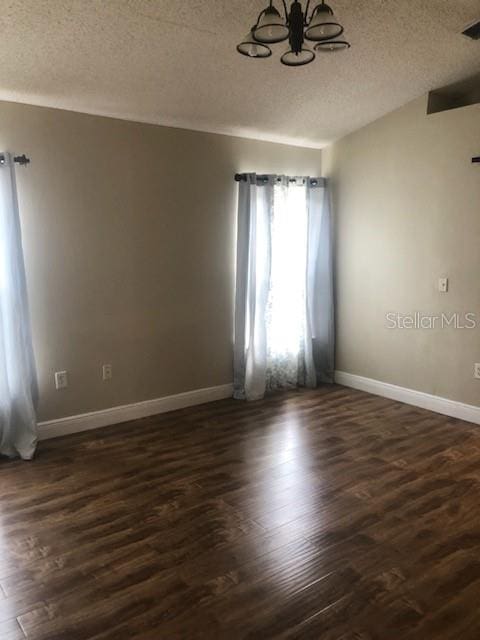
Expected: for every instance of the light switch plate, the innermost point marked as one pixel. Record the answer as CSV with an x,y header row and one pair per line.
x,y
106,372
443,285
61,380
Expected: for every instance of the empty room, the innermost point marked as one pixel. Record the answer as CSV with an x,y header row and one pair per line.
x,y
239,320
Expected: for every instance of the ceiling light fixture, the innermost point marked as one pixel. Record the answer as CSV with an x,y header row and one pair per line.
x,y
320,27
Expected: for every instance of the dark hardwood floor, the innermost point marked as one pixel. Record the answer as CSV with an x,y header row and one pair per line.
x,y
329,514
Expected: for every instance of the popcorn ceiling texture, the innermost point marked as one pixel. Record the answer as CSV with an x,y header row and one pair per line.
x,y
175,63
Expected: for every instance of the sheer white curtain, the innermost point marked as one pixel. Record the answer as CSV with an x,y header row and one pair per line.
x,y
286,306
18,387
284,331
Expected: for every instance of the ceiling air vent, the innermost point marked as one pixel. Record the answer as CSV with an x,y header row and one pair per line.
x,y
473,31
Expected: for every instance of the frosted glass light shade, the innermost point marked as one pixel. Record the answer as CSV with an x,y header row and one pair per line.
x,y
292,59
323,25
251,48
328,46
271,27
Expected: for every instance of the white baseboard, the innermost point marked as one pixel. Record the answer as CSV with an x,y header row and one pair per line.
x,y
451,408
127,412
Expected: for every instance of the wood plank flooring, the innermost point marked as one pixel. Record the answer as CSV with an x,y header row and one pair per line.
x,y
328,514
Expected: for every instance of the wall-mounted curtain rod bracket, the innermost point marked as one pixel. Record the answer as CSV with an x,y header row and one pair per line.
x,y
21,160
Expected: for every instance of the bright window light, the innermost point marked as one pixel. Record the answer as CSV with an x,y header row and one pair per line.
x,y
286,305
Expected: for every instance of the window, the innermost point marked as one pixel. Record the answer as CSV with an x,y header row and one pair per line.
x,y
286,306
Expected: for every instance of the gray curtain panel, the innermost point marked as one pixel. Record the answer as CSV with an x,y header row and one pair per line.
x,y
320,295
253,264
300,209
18,382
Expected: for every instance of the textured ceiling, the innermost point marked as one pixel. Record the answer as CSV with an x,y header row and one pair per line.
x,y
175,63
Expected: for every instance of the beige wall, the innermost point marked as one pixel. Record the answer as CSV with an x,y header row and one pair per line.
x,y
129,234
407,202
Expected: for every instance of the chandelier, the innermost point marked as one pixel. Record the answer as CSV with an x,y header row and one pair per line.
x,y
320,27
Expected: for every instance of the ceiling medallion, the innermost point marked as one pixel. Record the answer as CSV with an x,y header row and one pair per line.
x,y
296,26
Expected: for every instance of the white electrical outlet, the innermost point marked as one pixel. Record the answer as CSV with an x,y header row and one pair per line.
x,y
476,370
61,380
107,372
443,285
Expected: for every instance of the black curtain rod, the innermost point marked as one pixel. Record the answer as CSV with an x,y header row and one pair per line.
x,y
21,160
242,177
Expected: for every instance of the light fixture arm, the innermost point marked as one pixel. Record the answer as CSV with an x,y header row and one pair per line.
x,y
306,20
